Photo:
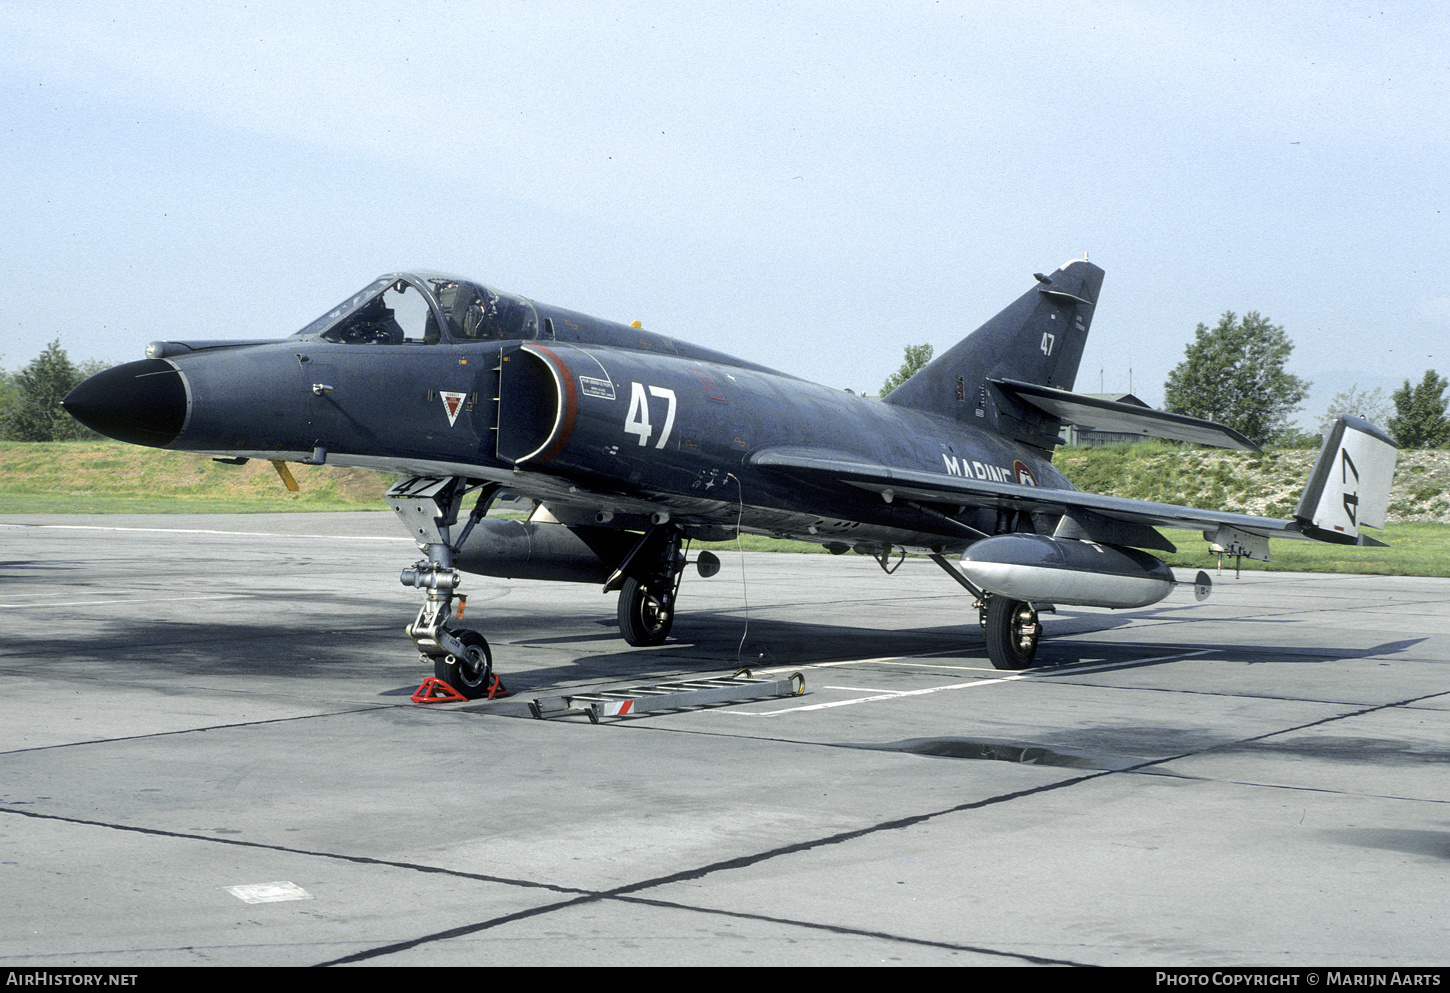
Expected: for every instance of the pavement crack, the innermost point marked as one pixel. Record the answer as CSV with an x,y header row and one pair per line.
x,y
210,727
625,893
631,892
743,862
290,850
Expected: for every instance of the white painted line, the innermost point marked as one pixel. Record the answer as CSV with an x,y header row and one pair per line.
x,y
883,660
873,699
269,892
897,695
117,601
906,660
954,668
863,689
239,534
60,592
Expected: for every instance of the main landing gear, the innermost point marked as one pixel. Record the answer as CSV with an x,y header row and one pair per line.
x,y
645,615
1010,626
1011,630
429,508
648,581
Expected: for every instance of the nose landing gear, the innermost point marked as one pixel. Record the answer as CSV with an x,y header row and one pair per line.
x,y
429,507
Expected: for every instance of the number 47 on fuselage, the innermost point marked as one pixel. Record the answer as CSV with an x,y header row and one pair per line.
x,y
631,444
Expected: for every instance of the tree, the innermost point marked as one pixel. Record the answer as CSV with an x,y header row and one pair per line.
x,y
35,413
1373,406
1234,374
8,395
1419,420
917,356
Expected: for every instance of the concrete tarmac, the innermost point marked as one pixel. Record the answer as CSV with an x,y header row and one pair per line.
x,y
208,757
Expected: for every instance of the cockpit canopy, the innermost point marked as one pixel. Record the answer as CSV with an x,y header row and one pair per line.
x,y
424,308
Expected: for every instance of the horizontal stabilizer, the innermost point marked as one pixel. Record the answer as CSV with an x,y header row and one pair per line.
x,y
1123,418
1350,485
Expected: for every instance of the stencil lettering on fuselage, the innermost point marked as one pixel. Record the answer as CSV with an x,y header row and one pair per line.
x,y
972,469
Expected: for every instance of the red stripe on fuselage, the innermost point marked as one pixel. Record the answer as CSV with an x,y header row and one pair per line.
x,y
568,399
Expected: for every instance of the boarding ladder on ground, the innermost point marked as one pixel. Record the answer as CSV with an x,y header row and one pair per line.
x,y
668,696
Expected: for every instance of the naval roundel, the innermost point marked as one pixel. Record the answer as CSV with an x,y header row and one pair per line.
x,y
1023,474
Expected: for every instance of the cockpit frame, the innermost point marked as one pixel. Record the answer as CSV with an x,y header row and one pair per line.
x,y
454,310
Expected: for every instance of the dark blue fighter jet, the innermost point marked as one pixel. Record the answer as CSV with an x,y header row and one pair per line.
x,y
632,443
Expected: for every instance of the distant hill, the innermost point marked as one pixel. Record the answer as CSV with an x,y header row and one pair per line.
x,y
1268,484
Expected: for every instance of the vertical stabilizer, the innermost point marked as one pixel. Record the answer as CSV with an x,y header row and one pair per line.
x,y
1037,339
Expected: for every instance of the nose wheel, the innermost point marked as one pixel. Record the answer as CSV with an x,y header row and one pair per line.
x,y
471,673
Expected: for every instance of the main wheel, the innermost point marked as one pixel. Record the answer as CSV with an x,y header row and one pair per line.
x,y
472,673
644,619
1011,631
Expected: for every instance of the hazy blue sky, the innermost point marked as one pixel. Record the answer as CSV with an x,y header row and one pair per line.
x,y
809,185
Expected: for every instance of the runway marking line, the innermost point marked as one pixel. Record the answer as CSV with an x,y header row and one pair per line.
x,y
862,689
239,534
877,697
118,602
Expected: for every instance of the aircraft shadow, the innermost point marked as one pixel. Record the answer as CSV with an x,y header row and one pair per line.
x,y
313,643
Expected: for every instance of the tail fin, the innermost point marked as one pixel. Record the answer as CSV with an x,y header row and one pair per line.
x,y
1037,339
1350,485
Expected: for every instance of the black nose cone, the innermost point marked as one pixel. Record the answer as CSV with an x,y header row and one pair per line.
x,y
143,403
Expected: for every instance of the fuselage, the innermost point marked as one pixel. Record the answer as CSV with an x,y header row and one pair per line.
x,y
602,422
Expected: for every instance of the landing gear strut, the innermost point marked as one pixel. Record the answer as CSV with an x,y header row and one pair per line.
x,y
648,580
1010,626
1011,630
429,508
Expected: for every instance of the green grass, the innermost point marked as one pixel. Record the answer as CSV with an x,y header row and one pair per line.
x,y
105,477
65,503
108,477
1265,483
756,543
1416,549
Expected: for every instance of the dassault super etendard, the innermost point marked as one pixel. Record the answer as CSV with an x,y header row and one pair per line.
x,y
631,443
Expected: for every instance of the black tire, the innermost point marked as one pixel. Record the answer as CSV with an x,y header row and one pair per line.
x,y
644,619
472,674
1012,632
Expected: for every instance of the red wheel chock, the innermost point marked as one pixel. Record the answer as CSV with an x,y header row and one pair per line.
x,y
434,690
